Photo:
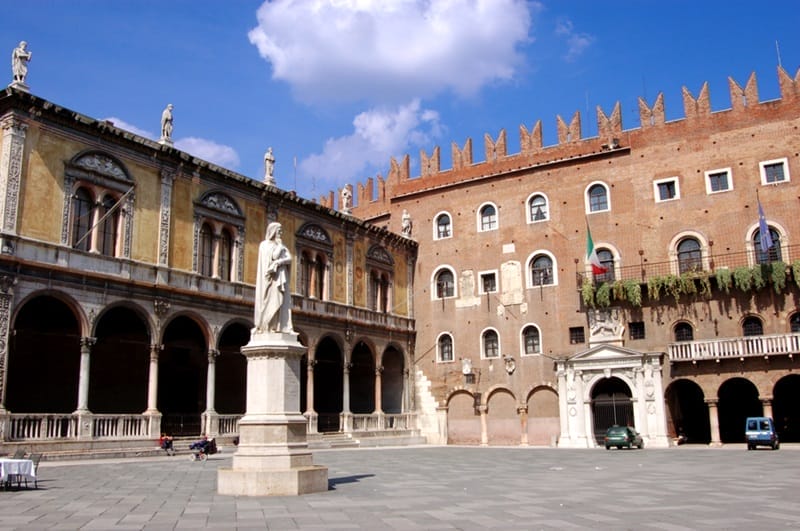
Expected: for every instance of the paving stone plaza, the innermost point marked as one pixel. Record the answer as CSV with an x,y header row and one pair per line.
x,y
431,488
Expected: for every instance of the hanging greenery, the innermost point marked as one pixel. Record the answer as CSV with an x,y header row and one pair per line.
x,y
760,274
603,295
587,292
743,278
796,272
654,288
687,285
778,276
633,292
672,285
618,289
705,286
724,279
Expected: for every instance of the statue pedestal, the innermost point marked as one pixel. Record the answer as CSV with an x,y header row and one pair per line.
x,y
272,458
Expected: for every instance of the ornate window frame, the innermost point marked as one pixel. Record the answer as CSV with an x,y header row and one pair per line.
x,y
220,211
314,248
380,272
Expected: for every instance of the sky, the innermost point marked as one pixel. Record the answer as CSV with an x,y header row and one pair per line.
x,y
339,87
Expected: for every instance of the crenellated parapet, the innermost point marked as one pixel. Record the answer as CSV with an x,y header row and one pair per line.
x,y
653,127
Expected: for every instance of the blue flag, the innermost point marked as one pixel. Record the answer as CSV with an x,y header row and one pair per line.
x,y
764,237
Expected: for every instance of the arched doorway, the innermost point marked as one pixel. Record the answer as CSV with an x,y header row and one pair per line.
x,y
611,406
182,372
328,386
392,381
230,394
688,412
44,358
502,423
786,407
463,420
543,420
738,399
362,380
120,363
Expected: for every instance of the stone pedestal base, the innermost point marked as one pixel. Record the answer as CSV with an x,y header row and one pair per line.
x,y
287,482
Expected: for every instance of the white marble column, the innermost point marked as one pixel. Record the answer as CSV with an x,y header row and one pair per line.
x,y
211,381
713,421
378,390
523,425
484,425
83,379
152,380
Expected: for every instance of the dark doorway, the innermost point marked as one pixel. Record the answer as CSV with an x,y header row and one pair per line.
x,y
786,408
738,399
688,412
362,380
230,394
611,406
328,386
392,381
182,368
44,358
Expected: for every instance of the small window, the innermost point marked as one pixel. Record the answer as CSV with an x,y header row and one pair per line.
x,y
607,261
774,171
531,341
445,347
488,282
773,252
491,344
537,209
666,190
794,323
598,198
541,271
444,227
488,217
752,326
718,181
683,332
636,330
445,285
690,257
577,335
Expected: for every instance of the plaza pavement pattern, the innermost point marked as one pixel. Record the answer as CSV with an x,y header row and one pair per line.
x,y
467,488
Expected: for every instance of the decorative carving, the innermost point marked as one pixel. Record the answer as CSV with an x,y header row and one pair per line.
x,y
13,144
221,202
161,307
102,164
314,232
379,254
5,318
167,178
606,323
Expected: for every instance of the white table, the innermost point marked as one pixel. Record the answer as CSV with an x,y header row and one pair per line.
x,y
16,469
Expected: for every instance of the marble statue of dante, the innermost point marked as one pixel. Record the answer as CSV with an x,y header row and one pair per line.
x,y
405,224
269,166
19,62
273,304
166,123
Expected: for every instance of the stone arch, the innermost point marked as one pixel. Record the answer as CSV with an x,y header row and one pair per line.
x,y
463,420
328,361
230,392
612,404
393,380
687,411
543,416
786,407
738,399
502,422
362,378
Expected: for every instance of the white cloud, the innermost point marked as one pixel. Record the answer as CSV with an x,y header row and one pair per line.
x,y
390,50
377,134
210,151
576,42
122,124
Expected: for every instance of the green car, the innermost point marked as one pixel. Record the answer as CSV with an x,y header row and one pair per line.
x,y
620,436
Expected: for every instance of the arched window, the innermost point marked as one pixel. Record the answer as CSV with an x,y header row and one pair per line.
x,y
206,251
225,254
315,252
598,198
752,326
531,340
488,219
444,228
379,300
771,253
107,243
82,219
606,258
684,332
445,346
537,208
541,270
318,286
794,322
690,257
491,344
445,284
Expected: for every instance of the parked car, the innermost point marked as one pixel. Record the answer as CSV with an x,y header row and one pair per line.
x,y
760,431
620,436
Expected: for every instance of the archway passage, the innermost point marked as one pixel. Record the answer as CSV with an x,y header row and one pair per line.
x,y
119,363
786,408
688,412
392,381
611,406
230,394
463,421
328,386
738,399
182,370
362,380
44,358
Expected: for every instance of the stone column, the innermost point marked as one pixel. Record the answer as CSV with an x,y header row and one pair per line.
x,y
6,298
310,388
713,421
563,438
12,149
523,424
165,214
83,380
378,390
346,413
484,425
272,458
210,414
766,404
152,380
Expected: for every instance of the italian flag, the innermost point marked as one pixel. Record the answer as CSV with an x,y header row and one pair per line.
x,y
591,254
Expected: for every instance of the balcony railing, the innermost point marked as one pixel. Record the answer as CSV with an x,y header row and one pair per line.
x,y
351,314
735,347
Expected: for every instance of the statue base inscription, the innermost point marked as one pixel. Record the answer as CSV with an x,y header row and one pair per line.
x,y
273,458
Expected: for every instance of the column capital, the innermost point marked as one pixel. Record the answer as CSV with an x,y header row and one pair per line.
x,y
88,341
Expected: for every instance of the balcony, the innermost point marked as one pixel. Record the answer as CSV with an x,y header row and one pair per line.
x,y
735,348
350,314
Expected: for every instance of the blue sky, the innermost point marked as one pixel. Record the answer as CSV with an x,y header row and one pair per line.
x,y
343,85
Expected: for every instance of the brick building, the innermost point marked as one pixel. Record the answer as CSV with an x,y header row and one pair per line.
x,y
694,324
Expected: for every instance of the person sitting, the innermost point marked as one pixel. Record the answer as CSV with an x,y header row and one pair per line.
x,y
166,443
201,445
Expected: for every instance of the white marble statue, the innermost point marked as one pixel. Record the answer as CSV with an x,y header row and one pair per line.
x,y
19,62
406,224
346,200
166,124
273,301
269,167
